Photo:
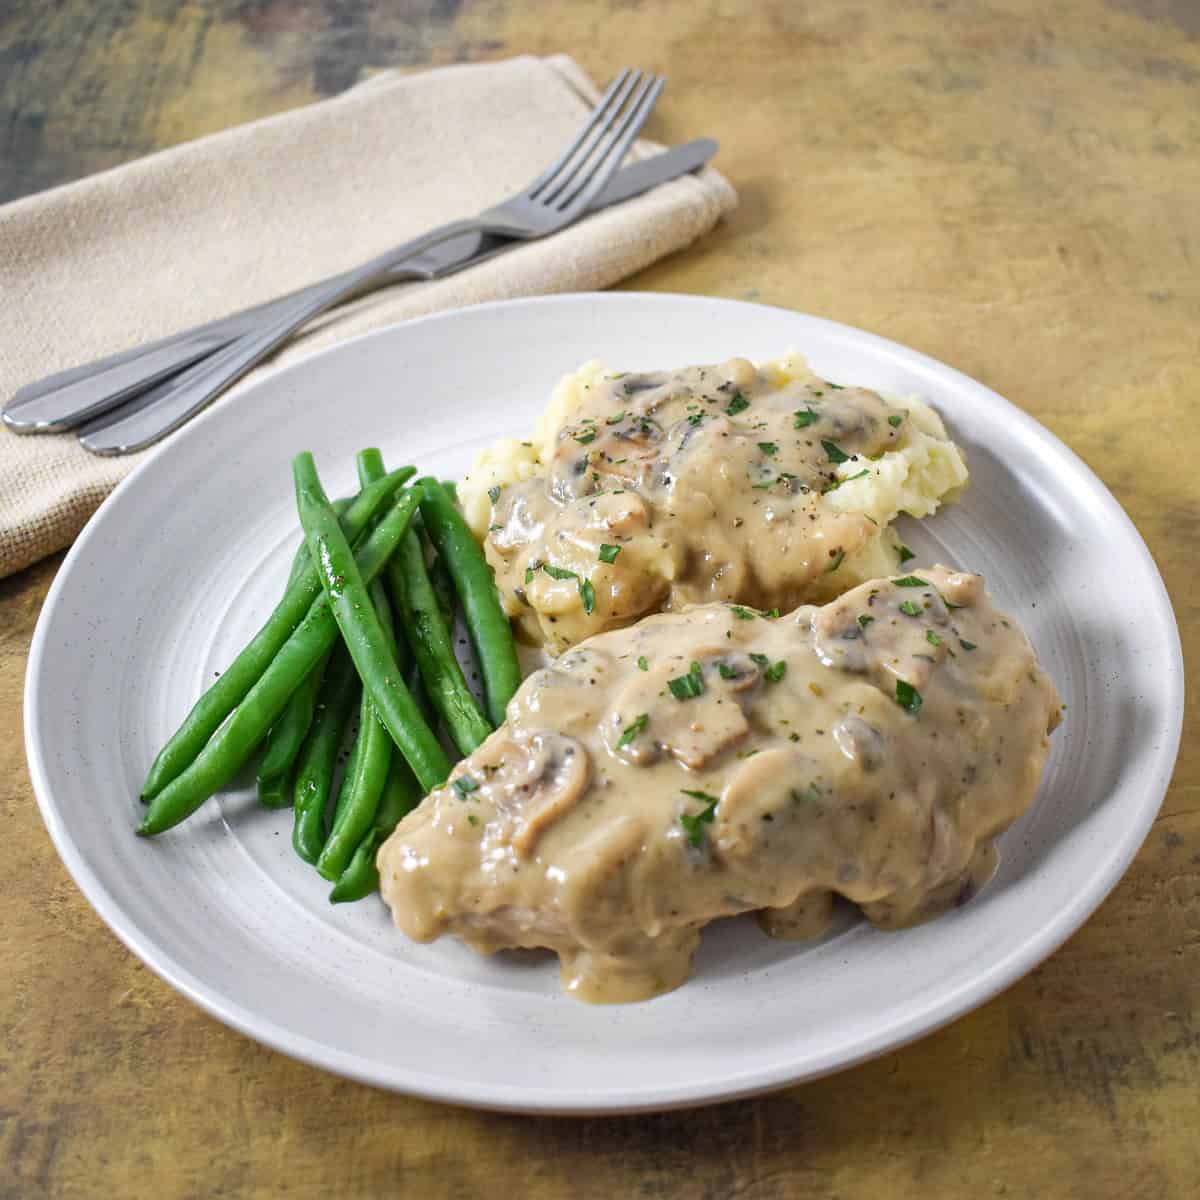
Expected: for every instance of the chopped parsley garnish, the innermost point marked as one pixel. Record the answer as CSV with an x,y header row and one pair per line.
x,y
894,420
837,562
804,418
772,672
742,613
494,493
965,644
905,553
835,452
615,420
693,826
770,449
737,403
638,725
932,638
766,483
695,418
587,593
864,620
643,665
911,581
583,438
908,697
726,671
528,576
910,609
837,387
837,483
689,686
608,553
464,785
473,818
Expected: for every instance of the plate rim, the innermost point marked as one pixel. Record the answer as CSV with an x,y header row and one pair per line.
x,y
519,1098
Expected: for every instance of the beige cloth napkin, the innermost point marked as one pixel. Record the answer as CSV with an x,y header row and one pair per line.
x,y
212,226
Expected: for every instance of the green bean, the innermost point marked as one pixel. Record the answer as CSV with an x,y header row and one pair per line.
x,y
370,468
409,668
343,795
300,559
287,736
433,646
367,771
370,465
277,791
299,565
400,796
364,636
439,577
275,783
358,799
235,741
490,632
239,677
314,767
412,678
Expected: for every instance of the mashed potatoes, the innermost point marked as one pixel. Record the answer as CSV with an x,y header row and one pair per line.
x,y
766,485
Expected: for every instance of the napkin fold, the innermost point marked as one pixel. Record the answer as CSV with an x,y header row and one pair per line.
x,y
212,226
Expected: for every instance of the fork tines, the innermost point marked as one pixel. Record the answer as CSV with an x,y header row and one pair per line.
x,y
587,164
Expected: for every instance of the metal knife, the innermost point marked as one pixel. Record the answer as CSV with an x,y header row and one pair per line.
x,y
89,392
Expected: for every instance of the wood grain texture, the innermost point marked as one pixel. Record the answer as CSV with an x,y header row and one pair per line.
x,y
1011,187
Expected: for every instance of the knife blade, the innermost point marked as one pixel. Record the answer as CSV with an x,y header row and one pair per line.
x,y
88,392
639,177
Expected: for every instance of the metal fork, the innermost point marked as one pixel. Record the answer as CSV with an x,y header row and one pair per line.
x,y
556,198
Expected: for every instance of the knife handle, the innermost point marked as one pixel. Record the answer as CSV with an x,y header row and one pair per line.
x,y
68,399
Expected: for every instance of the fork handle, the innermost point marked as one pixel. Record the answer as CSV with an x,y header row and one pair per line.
x,y
67,398
169,404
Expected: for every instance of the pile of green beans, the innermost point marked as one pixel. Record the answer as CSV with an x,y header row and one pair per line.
x,y
365,625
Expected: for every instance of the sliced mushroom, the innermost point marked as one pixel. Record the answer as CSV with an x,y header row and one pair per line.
x,y
838,638
963,589
859,742
757,797
546,777
694,729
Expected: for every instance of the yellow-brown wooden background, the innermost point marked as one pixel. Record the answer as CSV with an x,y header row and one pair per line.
x,y
1011,186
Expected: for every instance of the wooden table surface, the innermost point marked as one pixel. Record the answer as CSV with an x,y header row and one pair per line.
x,y
1013,187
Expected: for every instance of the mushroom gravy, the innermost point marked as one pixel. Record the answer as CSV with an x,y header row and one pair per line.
x,y
672,488
716,761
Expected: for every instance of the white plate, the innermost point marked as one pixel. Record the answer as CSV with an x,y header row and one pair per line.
x,y
181,564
